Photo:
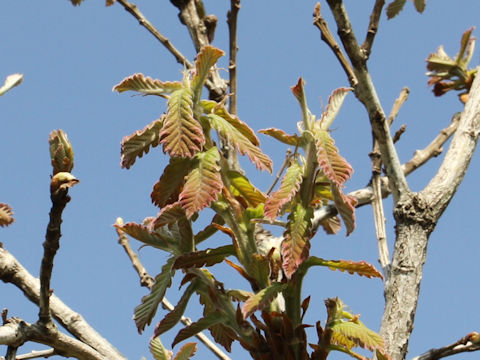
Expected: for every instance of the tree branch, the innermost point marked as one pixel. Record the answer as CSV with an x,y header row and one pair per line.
x,y
469,343
232,65
372,27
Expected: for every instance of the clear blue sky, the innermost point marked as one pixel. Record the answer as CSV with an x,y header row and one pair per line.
x,y
72,57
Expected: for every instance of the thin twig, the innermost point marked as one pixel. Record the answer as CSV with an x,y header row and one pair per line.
x,y
286,162
232,17
147,281
372,27
398,134
133,9
398,104
469,343
327,36
37,354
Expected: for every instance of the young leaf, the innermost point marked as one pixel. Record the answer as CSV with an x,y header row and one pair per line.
x,y
334,104
241,186
346,208
173,317
6,215
335,167
206,257
394,8
61,152
159,239
139,142
186,351
170,184
146,85
357,332
206,58
289,187
168,215
420,5
261,299
181,135
203,183
361,268
296,243
202,324
240,142
158,350
10,82
282,136
145,312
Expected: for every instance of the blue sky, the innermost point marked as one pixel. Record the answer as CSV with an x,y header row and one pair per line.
x,y
72,57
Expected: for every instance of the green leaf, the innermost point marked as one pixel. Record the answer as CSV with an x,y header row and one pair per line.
x,y
200,325
241,186
206,58
146,85
168,215
282,136
335,167
206,257
361,268
139,142
346,208
261,299
420,5
145,312
203,183
159,238
288,189
181,135
174,316
240,142
6,215
61,152
10,82
158,350
394,8
170,184
186,351
335,102
296,244
357,332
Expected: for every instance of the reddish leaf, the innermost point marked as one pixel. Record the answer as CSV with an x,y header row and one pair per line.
x,y
346,208
170,184
186,351
261,299
281,136
206,58
361,268
6,215
169,214
146,85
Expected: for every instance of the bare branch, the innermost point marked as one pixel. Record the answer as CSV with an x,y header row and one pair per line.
x,y
232,65
398,104
469,343
37,354
372,27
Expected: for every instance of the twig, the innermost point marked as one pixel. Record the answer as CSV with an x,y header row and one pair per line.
x,y
372,27
398,134
398,104
232,65
37,354
286,162
469,343
327,36
11,353
133,9
147,281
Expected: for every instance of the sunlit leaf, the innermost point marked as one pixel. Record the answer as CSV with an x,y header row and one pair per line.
x,y
357,332
186,351
200,325
145,312
346,208
10,82
159,238
206,58
206,257
334,104
61,152
240,142
299,92
261,299
361,268
203,183
170,184
394,8
168,215
6,215
334,166
146,85
158,350
289,187
241,186
282,136
139,142
296,243
181,135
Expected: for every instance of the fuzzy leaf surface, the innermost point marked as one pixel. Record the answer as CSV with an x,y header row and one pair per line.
x,y
145,312
181,135
206,58
394,8
335,167
346,208
296,243
200,325
186,351
6,215
361,268
139,142
159,239
240,142
241,186
206,257
282,136
158,350
335,102
61,152
168,187
357,332
261,299
288,188
146,85
203,183
168,215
